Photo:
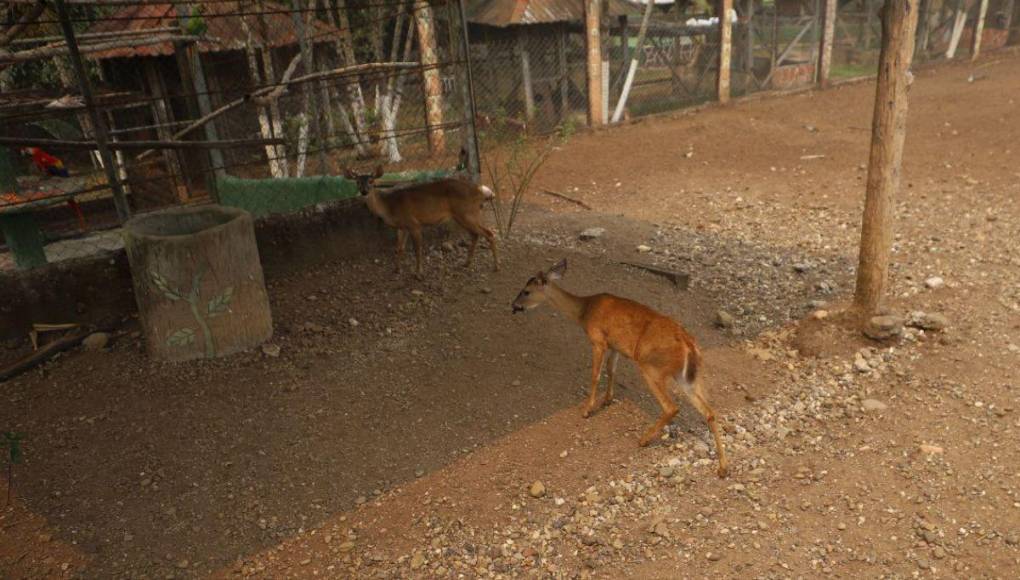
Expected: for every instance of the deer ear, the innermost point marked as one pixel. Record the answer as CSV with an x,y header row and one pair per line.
x,y
378,172
557,271
541,278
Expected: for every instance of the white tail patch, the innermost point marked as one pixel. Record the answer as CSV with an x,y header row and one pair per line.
x,y
486,192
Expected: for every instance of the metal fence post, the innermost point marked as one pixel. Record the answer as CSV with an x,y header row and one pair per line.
x,y
98,122
468,94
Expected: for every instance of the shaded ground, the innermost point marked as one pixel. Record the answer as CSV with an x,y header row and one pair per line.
x,y
307,463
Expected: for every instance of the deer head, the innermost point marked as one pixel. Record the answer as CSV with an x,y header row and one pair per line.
x,y
365,181
533,292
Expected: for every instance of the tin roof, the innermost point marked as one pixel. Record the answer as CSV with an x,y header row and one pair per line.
x,y
503,13
223,21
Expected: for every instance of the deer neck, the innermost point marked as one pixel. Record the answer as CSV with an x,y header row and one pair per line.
x,y
376,205
567,303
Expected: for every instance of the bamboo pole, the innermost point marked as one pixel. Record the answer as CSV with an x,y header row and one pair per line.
x,y
888,130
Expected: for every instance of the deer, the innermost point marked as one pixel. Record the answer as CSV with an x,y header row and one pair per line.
x,y
664,352
409,208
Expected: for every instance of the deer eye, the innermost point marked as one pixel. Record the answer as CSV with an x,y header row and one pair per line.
x,y
527,292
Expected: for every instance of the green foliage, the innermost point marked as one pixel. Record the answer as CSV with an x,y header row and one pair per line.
x,y
195,24
12,441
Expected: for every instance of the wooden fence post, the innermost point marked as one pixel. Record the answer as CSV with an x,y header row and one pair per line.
x,y
593,42
725,49
529,90
979,30
958,25
888,130
828,36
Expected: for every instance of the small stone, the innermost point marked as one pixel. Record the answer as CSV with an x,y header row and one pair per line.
x,y
665,471
592,233
801,267
643,249
820,314
700,448
45,538
923,563
939,552
447,247
661,530
934,283
486,290
537,490
873,405
419,472
306,561
928,321
96,341
618,544
271,350
841,526
724,319
861,365
714,556
182,564
1013,539
417,293
353,322
360,500
417,561
883,327
931,449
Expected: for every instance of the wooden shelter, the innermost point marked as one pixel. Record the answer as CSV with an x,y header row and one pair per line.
x,y
525,32
164,73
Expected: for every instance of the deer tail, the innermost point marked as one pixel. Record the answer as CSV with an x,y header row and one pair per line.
x,y
487,193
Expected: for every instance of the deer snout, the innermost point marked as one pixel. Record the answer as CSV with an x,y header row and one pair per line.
x,y
515,308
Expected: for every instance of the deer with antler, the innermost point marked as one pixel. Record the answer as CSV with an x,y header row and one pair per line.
x,y
664,352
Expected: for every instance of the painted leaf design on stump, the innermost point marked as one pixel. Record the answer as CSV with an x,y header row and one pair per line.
x,y
163,286
182,337
221,304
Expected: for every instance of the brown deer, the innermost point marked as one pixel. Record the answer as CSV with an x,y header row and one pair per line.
x,y
410,207
664,352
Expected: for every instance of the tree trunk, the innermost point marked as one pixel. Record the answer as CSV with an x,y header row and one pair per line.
x,y
632,70
302,20
979,30
529,90
888,130
198,282
394,94
430,76
275,118
345,52
265,124
958,26
828,36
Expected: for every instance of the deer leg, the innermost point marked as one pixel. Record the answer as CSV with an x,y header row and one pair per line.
x,y
416,238
471,248
491,237
660,389
611,371
696,395
401,241
598,352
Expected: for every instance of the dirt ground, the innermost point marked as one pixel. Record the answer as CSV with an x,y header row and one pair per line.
x,y
402,426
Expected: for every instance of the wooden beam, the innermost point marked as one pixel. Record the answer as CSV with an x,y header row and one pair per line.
x,y
722,84
979,30
593,42
828,37
44,52
888,130
69,145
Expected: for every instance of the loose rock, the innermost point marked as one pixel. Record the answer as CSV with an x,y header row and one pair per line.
x,y
96,341
592,233
537,490
883,327
873,405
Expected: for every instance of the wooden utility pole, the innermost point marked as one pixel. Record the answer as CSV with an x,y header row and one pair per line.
x,y
888,130
722,84
593,43
424,20
979,30
98,122
828,36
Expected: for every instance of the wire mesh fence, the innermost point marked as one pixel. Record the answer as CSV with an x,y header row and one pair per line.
x,y
250,103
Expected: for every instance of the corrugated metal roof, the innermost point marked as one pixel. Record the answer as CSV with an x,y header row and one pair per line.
x,y
502,13
224,29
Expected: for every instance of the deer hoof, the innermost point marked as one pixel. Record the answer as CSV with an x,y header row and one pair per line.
x,y
644,441
723,472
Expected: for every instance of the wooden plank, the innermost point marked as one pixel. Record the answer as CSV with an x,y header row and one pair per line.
x,y
888,131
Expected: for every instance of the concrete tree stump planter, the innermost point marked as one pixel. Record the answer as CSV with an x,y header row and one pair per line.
x,y
198,282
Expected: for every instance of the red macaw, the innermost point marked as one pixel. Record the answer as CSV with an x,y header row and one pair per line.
x,y
46,163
